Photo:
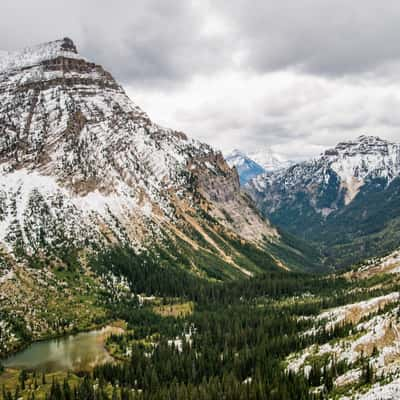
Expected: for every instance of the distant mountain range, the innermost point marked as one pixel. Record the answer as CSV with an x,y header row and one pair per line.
x,y
250,165
347,200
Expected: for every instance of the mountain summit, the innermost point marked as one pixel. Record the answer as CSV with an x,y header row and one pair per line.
x,y
270,160
367,157
99,204
245,166
255,163
36,55
82,165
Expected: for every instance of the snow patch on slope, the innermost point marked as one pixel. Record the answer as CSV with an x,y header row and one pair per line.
x,y
375,335
24,194
379,391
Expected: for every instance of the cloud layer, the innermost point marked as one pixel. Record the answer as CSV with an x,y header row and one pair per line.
x,y
298,76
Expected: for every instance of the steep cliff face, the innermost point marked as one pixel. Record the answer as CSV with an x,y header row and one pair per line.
x,y
81,164
220,188
348,197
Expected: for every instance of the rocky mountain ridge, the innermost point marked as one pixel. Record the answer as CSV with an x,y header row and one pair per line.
x,y
353,163
80,161
335,191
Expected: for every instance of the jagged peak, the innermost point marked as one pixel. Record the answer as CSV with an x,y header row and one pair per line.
x,y
370,139
365,140
362,144
68,45
235,153
34,55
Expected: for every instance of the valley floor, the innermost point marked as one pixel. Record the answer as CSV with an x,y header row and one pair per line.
x,y
276,336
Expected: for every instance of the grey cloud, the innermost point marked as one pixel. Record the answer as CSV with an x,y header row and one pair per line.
x,y
340,63
330,37
155,42
150,42
335,110
162,43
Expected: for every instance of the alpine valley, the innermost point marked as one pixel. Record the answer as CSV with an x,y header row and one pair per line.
x,y
347,201
133,264
84,171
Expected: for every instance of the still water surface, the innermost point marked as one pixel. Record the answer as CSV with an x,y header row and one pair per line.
x,y
75,352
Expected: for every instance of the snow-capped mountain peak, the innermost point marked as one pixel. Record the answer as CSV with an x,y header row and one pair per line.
x,y
367,157
270,160
245,166
236,157
255,163
80,162
358,178
35,55
353,162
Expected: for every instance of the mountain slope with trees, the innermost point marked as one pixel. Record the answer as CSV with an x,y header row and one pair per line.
x,y
87,179
346,201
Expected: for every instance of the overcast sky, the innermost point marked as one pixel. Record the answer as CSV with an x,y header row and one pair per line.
x,y
296,75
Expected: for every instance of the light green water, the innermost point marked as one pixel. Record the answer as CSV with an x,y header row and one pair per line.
x,y
76,352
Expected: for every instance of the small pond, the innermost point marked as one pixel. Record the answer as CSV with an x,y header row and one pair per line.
x,y
80,352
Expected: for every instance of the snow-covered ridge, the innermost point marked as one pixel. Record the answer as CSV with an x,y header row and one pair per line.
x,y
364,144
352,163
379,391
270,160
31,56
366,156
375,335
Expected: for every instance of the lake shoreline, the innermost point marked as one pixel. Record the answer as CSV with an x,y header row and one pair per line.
x,y
102,330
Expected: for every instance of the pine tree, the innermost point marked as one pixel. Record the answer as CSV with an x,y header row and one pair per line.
x,y
114,394
22,378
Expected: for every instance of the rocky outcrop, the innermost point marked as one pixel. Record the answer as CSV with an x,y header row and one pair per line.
x,y
219,186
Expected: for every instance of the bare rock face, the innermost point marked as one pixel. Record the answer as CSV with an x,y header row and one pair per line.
x,y
80,162
220,187
68,45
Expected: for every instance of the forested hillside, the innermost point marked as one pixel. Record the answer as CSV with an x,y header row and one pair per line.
x,y
232,340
